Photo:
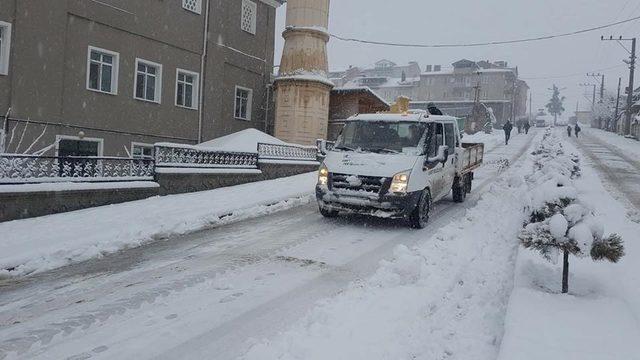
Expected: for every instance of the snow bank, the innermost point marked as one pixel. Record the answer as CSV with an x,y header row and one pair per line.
x,y
401,313
242,141
44,243
599,319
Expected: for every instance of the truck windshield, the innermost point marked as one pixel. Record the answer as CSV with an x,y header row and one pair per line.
x,y
381,137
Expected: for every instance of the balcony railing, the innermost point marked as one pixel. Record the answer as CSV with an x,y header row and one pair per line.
x,y
26,169
170,156
287,152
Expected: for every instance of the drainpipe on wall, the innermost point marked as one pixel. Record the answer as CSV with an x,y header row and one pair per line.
x,y
203,62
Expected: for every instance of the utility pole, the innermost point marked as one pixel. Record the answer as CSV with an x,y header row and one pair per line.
x,y
601,76
632,68
615,117
593,101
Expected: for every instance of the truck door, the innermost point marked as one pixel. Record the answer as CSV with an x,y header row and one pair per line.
x,y
449,173
435,171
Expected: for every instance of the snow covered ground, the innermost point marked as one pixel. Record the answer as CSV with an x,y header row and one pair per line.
x,y
219,293
293,285
49,242
600,318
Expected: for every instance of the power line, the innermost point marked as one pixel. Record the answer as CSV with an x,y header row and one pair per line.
x,y
490,43
571,75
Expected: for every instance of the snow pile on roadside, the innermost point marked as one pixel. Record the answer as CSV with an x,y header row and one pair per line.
x,y
598,320
442,299
627,146
242,141
48,242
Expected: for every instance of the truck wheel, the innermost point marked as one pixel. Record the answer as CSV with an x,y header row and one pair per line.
x,y
420,215
328,213
460,189
469,182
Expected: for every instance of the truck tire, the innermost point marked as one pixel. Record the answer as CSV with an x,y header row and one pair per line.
x,y
460,189
328,213
420,215
469,182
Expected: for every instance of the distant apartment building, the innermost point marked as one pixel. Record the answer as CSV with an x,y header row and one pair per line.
x,y
113,77
454,90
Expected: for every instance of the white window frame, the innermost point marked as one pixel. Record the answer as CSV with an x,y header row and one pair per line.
x,y
114,73
197,10
249,103
196,89
144,145
158,91
254,21
100,142
5,51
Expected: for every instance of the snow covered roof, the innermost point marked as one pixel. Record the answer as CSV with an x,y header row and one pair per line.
x,y
242,141
364,89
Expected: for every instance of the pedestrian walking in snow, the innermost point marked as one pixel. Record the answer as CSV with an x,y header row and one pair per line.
x,y
577,129
526,128
569,129
508,127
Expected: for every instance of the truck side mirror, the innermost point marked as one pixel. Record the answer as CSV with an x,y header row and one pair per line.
x,y
322,146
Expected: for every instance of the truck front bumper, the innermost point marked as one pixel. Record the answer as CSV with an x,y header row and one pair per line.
x,y
386,206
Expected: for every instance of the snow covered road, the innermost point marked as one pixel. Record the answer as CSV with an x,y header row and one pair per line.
x,y
211,294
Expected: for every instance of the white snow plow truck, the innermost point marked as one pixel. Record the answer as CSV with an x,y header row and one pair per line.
x,y
396,166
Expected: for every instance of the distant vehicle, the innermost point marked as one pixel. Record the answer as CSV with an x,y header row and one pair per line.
x,y
396,166
541,122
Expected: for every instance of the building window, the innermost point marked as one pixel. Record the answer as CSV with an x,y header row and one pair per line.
x,y
192,5
148,83
142,151
102,70
243,103
5,47
248,19
187,89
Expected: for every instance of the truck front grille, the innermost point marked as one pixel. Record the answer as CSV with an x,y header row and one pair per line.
x,y
359,185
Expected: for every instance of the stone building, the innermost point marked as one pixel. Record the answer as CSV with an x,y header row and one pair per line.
x,y
302,87
112,77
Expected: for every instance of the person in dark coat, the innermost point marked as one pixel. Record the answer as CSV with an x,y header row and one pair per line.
x,y
508,127
577,129
526,127
569,129
433,109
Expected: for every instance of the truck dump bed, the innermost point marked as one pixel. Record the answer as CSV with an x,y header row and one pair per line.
x,y
472,157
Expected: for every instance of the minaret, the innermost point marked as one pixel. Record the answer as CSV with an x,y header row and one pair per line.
x,y
302,86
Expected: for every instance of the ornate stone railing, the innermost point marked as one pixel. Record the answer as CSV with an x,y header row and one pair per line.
x,y
287,152
21,169
169,156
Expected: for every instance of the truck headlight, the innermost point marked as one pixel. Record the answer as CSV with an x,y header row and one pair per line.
x,y
399,183
323,176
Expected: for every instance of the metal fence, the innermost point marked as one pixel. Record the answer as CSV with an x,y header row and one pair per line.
x,y
192,157
21,169
287,152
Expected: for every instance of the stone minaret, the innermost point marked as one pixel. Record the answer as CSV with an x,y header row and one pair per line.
x,y
302,86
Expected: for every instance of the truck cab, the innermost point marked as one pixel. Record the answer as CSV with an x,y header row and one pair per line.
x,y
396,166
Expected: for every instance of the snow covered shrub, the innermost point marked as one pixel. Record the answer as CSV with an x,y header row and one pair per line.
x,y
558,221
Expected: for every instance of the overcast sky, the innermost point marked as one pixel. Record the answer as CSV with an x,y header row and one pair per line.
x,y
420,21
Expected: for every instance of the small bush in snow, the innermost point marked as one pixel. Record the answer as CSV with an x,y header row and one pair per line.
x,y
558,222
